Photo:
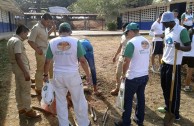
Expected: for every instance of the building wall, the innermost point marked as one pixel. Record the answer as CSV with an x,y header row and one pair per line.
x,y
7,21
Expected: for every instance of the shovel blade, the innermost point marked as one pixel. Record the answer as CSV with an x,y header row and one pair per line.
x,y
169,119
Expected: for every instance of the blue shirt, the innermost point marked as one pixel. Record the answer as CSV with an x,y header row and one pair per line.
x,y
87,45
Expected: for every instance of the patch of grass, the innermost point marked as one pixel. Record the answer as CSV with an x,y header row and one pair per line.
x,y
5,79
4,59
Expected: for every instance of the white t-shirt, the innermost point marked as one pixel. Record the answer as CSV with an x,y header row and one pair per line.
x,y
156,28
170,37
139,62
191,52
188,20
64,51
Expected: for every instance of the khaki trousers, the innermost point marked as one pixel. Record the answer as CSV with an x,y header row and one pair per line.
x,y
40,60
23,88
119,71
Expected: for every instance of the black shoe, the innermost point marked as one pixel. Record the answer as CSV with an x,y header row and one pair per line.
x,y
137,122
119,123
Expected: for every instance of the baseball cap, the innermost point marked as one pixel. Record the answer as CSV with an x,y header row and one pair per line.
x,y
132,26
167,17
65,25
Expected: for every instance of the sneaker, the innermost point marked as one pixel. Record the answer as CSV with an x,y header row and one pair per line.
x,y
32,114
114,91
135,120
187,89
162,109
177,117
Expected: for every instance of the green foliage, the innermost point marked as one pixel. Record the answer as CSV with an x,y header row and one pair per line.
x,y
26,4
4,60
108,9
112,26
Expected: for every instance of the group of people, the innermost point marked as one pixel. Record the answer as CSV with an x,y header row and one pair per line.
x,y
60,58
135,62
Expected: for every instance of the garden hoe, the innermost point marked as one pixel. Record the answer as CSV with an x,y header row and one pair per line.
x,y
169,116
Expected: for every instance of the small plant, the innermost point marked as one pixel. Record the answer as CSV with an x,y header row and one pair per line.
x,y
112,26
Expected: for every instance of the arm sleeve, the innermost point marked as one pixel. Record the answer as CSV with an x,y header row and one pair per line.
x,y
184,36
183,16
33,34
49,54
18,47
151,32
89,47
80,50
129,50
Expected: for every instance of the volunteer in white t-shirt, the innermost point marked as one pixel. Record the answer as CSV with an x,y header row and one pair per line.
x,y
157,45
176,37
135,73
187,19
66,52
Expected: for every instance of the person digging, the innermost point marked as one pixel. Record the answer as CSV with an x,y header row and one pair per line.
x,y
176,38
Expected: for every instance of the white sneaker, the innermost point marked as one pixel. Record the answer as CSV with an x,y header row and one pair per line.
x,y
187,89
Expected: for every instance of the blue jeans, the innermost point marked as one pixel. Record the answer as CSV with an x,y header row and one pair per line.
x,y
136,85
90,59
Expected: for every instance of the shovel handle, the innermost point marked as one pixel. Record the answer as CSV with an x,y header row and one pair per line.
x,y
173,78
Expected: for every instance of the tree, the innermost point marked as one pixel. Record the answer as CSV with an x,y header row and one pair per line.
x,y
106,8
26,4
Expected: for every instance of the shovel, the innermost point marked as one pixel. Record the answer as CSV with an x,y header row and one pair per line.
x,y
169,116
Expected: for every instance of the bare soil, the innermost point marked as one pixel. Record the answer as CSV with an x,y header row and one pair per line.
x,y
104,49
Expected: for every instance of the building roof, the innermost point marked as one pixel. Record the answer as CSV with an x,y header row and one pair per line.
x,y
59,10
11,5
59,14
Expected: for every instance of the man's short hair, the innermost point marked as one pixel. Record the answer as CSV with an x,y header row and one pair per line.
x,y
160,15
175,10
21,28
125,25
47,16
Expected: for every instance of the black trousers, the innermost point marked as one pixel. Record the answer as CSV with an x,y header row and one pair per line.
x,y
166,78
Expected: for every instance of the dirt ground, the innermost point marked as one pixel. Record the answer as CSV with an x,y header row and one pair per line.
x,y
104,49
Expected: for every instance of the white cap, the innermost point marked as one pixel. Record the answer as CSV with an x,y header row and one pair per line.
x,y
167,17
